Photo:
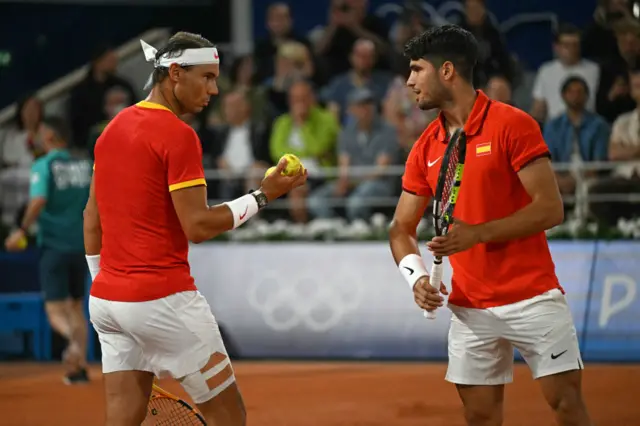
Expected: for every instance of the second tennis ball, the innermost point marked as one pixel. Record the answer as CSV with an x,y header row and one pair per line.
x,y
293,165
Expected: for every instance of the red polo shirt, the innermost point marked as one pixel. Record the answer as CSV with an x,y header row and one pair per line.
x,y
501,140
143,154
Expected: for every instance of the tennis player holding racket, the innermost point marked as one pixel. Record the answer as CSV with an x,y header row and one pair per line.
x,y
504,290
148,197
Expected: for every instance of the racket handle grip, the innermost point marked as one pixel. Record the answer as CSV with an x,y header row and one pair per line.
x,y
435,278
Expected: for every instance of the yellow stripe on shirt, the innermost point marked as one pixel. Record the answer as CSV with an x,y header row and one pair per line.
x,y
187,184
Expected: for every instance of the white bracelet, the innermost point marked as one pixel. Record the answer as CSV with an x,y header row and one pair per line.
x,y
243,209
94,265
412,268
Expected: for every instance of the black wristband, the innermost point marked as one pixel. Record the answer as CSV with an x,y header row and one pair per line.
x,y
261,199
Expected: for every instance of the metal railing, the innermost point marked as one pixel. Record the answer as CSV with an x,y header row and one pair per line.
x,y
581,199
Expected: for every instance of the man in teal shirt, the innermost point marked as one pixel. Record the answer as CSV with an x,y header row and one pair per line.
x,y
58,194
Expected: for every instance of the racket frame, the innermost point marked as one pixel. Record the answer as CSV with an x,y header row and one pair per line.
x,y
441,222
161,393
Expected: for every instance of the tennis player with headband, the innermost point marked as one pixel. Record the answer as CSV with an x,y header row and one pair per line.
x,y
147,200
504,291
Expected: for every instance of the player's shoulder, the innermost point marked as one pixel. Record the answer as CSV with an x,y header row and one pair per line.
x,y
512,119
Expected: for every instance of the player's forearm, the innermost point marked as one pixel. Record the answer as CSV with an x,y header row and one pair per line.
x,y
33,212
210,223
92,234
403,241
538,216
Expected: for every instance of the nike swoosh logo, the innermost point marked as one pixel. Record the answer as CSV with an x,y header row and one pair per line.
x,y
554,356
431,163
243,215
408,269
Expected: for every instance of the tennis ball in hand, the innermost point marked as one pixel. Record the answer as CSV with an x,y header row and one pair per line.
x,y
293,166
22,243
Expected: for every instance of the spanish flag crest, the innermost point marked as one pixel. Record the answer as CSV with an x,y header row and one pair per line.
x,y
483,149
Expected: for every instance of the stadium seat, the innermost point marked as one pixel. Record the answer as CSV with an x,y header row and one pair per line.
x,y
24,312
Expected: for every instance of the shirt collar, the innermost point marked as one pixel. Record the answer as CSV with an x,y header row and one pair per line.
x,y
474,123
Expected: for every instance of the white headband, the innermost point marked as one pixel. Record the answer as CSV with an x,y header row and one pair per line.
x,y
200,56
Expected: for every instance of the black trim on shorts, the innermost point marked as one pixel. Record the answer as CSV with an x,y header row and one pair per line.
x,y
537,157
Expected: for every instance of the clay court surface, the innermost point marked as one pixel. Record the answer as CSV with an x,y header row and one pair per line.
x,y
327,394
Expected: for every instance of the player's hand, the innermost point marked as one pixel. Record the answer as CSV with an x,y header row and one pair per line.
x,y
276,184
427,296
12,243
460,237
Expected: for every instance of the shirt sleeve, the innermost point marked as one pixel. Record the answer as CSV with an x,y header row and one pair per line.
x,y
525,143
414,180
184,162
40,177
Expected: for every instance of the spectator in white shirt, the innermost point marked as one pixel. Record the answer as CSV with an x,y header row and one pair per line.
x,y
547,99
623,146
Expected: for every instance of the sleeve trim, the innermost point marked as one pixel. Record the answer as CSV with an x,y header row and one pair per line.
x,y
546,154
187,184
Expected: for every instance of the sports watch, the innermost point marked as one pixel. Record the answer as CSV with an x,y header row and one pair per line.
x,y
261,199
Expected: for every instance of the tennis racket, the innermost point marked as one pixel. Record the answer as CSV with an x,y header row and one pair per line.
x,y
165,409
447,189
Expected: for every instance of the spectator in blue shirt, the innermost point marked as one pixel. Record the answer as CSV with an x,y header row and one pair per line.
x,y
577,135
368,141
361,75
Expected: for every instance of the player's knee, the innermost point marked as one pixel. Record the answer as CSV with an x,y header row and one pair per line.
x,y
567,405
483,415
226,409
121,410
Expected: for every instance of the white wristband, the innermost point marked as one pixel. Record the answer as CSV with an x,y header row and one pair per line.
x,y
94,265
412,268
242,209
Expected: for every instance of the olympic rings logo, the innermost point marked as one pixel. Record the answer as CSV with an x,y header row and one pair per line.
x,y
319,305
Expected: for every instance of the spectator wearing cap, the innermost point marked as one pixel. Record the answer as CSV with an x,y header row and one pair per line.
x,y
87,100
577,135
367,141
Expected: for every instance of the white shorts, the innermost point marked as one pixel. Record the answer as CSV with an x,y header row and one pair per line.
x,y
174,336
481,341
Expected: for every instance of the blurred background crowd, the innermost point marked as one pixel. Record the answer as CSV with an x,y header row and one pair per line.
x,y
336,97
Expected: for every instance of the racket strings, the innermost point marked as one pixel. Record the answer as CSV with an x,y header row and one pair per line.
x,y
450,179
163,411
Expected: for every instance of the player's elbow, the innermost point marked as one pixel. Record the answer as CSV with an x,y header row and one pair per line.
x,y
554,214
195,234
398,229
197,230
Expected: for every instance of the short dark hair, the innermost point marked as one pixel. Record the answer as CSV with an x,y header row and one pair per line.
x,y
566,29
447,43
59,126
177,44
574,79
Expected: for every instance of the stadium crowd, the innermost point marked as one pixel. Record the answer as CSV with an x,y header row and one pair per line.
x,y
337,98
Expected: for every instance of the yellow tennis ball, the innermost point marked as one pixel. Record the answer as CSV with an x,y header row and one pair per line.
x,y
22,243
269,171
293,164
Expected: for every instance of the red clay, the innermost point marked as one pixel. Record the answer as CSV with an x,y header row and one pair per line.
x,y
326,394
